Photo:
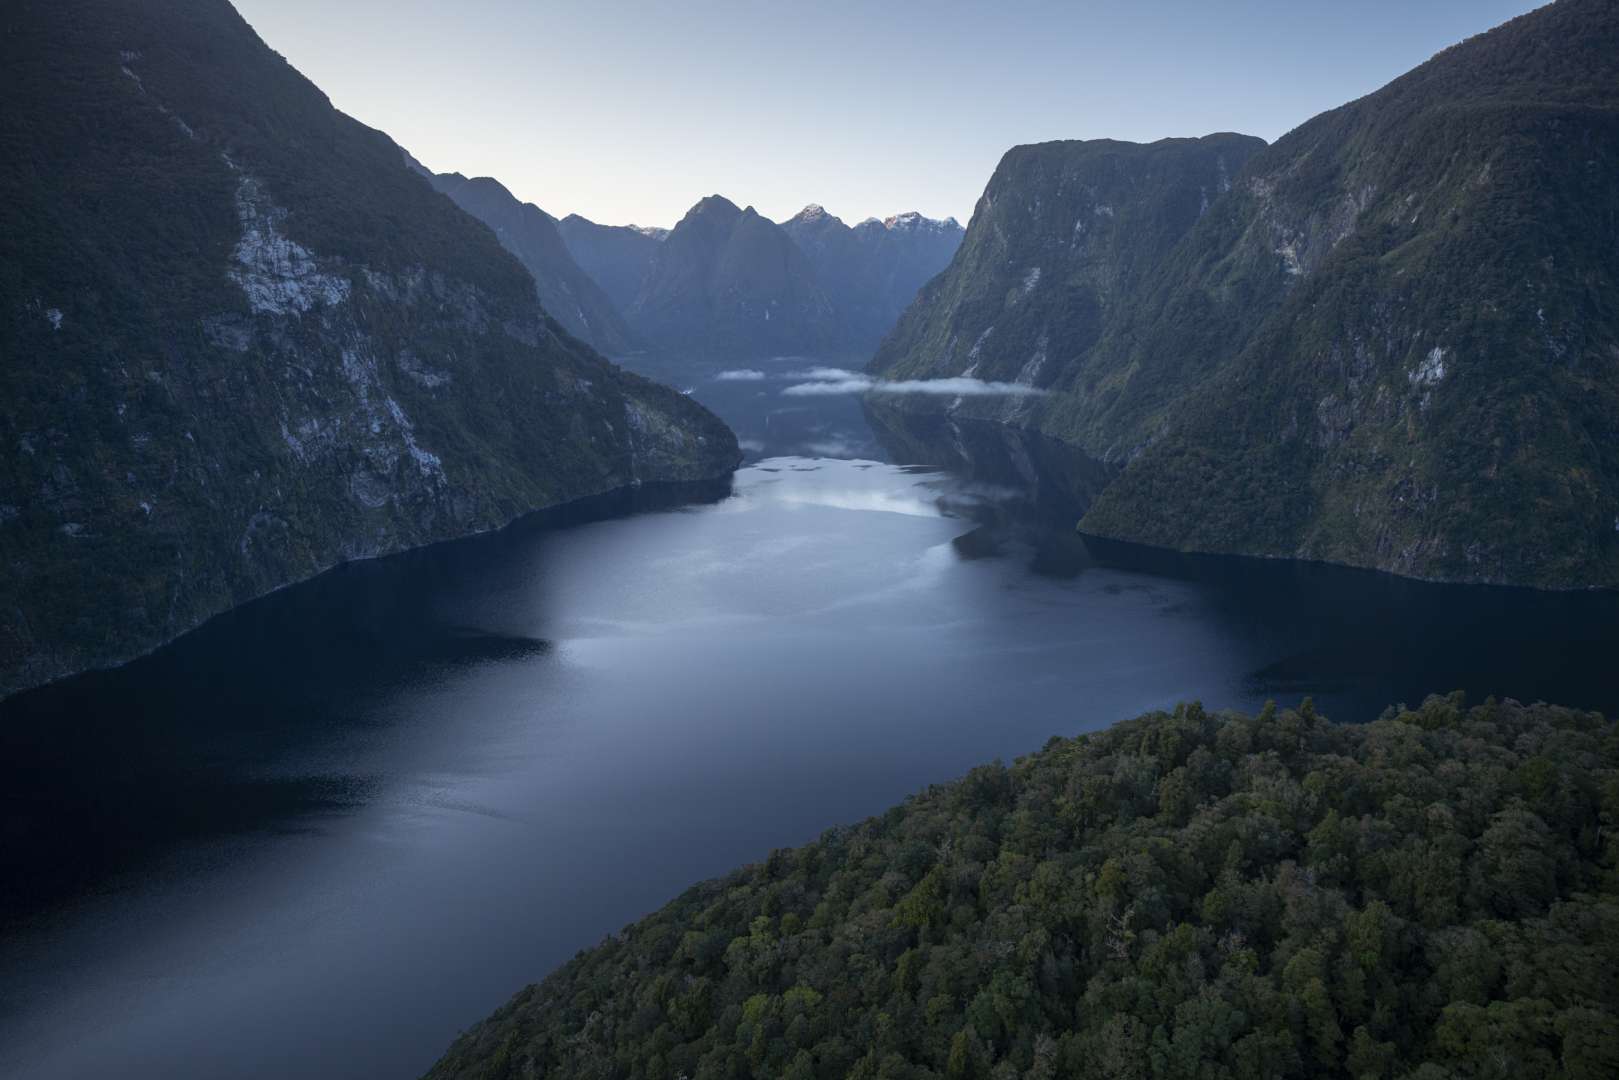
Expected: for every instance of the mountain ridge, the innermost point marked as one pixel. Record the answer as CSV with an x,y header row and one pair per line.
x,y
844,302
1385,345
258,344
569,294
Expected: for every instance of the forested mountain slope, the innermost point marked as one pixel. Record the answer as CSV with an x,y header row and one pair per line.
x,y
241,341
1195,896
1394,342
1063,242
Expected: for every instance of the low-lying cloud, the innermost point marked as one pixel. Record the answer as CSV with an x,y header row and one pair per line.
x,y
830,381
741,375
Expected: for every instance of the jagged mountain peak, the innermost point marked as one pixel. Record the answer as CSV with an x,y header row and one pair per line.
x,y
813,215
712,206
912,219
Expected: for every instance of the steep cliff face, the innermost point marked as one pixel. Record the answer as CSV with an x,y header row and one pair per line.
x,y
567,293
242,341
872,272
1433,387
1392,343
1063,243
732,283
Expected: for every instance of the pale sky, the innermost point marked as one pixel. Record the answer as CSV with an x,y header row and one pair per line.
x,y
632,111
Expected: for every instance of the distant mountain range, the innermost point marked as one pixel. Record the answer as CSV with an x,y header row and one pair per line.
x,y
568,294
615,256
1389,340
725,281
730,282
872,272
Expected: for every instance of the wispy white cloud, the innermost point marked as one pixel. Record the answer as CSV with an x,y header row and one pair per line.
x,y
831,381
741,375
823,374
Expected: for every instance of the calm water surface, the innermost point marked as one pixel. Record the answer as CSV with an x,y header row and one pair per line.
x,y
329,830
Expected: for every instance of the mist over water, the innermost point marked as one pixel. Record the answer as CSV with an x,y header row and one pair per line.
x,y
325,832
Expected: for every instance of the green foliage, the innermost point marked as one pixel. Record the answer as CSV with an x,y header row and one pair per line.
x,y
1390,342
171,449
1428,895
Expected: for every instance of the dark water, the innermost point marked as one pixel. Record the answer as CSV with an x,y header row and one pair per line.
x,y
327,831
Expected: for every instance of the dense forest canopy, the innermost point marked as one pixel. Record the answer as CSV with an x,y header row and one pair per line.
x,y
1187,894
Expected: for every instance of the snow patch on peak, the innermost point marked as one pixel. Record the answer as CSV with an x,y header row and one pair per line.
x,y
912,221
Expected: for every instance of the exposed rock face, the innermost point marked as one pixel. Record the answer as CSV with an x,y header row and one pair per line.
x,y
242,342
568,294
1387,344
1061,246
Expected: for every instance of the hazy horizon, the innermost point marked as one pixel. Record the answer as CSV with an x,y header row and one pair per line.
x,y
630,113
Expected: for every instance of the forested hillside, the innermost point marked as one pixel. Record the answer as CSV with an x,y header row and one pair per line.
x,y
241,341
1431,895
1390,341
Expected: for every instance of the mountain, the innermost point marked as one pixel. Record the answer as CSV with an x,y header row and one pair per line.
x,y
872,271
567,293
1391,343
1186,895
732,283
242,341
617,257
729,281
1062,242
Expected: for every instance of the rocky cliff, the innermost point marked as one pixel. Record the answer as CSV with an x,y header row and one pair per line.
x,y
1388,340
241,341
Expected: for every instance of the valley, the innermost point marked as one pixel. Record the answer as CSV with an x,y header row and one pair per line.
x,y
454,780
1163,630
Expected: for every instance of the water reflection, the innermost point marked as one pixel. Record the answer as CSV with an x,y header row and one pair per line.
x,y
115,767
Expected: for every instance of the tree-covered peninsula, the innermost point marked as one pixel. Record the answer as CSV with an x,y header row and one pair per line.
x,y
1431,895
